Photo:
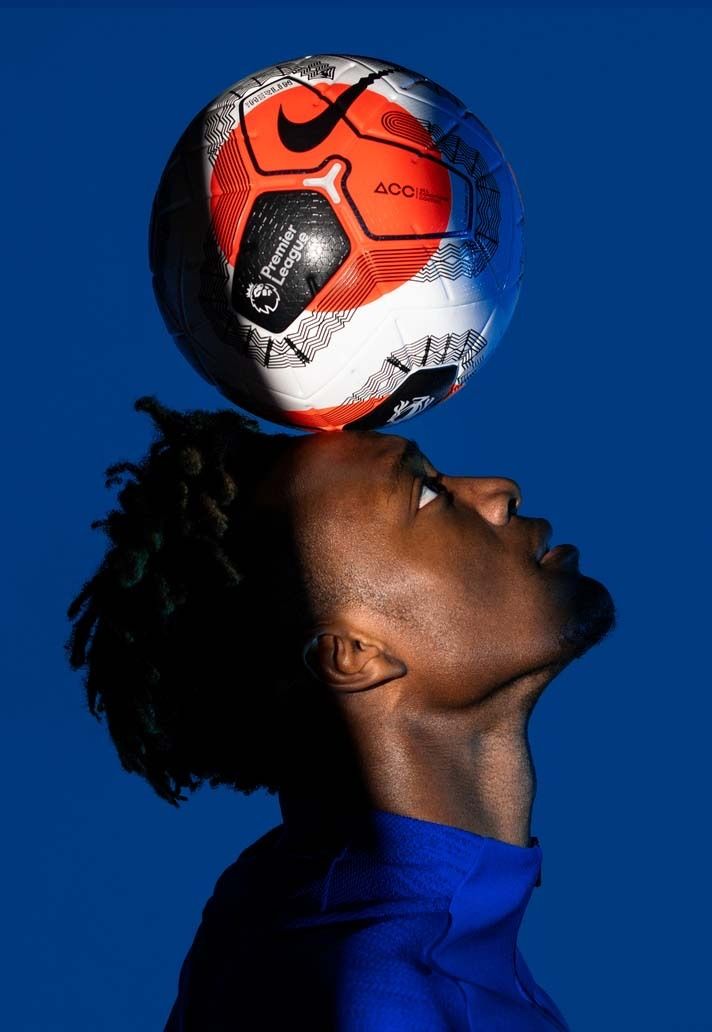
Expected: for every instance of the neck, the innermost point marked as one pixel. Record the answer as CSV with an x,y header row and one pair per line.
x,y
469,769
479,780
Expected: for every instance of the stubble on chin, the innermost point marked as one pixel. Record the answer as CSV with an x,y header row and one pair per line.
x,y
592,618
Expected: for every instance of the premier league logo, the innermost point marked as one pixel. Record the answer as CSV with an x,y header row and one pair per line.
x,y
263,297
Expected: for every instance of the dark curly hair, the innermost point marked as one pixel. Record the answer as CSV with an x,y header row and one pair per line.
x,y
189,631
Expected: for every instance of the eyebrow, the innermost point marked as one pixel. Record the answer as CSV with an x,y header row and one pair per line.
x,y
404,462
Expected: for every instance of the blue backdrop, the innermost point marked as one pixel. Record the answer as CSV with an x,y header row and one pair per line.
x,y
595,402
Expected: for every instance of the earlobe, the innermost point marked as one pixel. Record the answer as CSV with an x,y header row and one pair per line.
x,y
348,663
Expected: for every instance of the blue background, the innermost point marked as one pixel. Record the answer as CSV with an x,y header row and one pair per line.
x,y
595,402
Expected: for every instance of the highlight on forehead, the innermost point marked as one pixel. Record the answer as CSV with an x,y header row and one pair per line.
x,y
395,457
365,457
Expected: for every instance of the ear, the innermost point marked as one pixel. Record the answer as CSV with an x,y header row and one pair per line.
x,y
350,662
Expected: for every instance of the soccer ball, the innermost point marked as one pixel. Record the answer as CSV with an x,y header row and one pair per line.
x,y
337,242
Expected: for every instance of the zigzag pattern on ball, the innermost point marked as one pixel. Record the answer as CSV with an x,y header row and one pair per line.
x,y
296,349
456,150
462,348
470,357
454,259
489,214
218,126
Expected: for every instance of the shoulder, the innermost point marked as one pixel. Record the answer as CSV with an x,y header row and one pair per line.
x,y
414,1002
321,978
225,999
267,954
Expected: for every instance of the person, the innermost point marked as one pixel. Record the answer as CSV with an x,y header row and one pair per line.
x,y
330,618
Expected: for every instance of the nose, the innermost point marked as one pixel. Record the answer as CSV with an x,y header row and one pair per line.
x,y
496,499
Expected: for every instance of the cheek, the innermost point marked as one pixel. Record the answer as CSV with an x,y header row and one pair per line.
x,y
483,621
448,617
453,589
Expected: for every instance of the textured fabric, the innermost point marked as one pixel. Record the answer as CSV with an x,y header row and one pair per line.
x,y
388,923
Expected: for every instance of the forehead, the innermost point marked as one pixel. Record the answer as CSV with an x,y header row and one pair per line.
x,y
340,477
347,464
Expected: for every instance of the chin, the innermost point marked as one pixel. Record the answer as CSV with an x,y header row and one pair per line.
x,y
592,617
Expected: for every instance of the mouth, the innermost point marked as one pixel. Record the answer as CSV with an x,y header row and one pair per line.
x,y
562,557
544,537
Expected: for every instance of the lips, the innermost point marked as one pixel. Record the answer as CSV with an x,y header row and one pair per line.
x,y
562,557
544,537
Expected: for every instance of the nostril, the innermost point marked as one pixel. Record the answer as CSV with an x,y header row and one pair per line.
x,y
513,506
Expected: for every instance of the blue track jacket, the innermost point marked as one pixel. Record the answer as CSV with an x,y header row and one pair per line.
x,y
396,924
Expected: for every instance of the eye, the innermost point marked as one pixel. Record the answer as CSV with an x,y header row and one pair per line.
x,y
430,488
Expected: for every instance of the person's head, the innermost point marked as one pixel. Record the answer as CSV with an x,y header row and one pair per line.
x,y
253,582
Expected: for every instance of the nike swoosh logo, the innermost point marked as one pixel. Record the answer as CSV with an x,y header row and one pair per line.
x,y
303,136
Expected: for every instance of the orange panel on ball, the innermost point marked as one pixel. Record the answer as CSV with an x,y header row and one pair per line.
x,y
335,418
385,188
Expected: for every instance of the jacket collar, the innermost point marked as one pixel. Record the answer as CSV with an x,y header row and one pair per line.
x,y
484,883
406,863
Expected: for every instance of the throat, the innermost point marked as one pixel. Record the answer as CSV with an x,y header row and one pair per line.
x,y
484,784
